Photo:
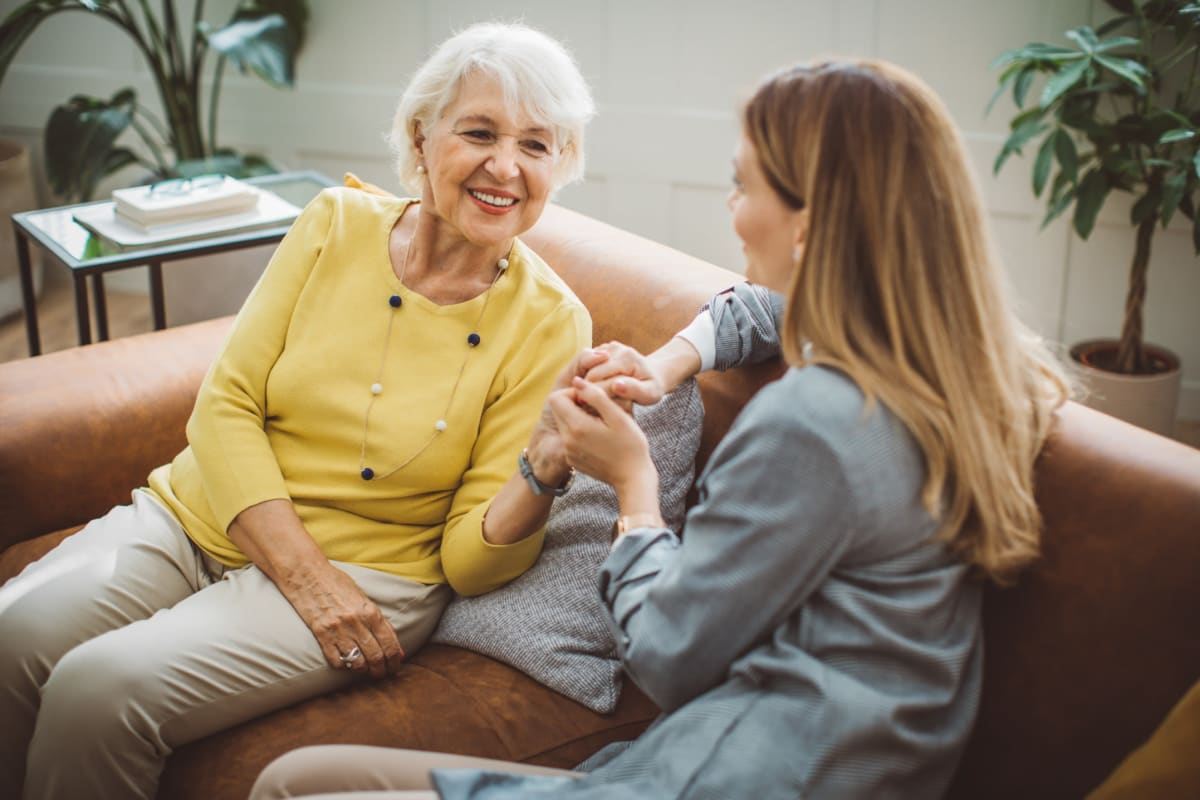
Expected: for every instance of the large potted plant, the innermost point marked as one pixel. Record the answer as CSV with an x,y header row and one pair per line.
x,y
262,37
1117,110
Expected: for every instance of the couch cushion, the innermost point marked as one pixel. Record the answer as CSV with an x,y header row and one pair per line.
x,y
549,622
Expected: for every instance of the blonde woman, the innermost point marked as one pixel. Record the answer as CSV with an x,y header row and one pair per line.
x,y
816,632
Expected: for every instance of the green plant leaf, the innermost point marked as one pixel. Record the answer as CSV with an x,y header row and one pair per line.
x,y
1093,189
1061,195
1127,69
1063,81
1042,164
1085,37
79,138
258,45
1068,156
1037,51
1022,84
21,23
1117,41
1172,194
1027,127
1177,135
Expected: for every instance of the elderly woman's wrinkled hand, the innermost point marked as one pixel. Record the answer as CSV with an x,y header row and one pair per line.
x,y
627,376
351,630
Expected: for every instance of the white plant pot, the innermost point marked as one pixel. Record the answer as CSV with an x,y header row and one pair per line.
x,y
1148,401
16,194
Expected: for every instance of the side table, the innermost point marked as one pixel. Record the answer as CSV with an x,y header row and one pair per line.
x,y
88,257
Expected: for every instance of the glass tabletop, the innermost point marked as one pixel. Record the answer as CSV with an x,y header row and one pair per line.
x,y
79,248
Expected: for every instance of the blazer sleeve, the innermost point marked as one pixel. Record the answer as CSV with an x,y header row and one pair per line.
x,y
746,319
472,564
226,429
774,511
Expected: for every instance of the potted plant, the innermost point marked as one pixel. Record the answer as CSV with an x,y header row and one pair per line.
x,y
1118,110
262,36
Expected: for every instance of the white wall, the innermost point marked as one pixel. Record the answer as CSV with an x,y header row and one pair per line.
x,y
667,75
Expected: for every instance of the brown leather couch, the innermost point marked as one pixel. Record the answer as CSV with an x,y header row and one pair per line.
x,y
1084,656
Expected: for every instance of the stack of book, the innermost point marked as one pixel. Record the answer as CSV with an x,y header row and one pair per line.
x,y
184,210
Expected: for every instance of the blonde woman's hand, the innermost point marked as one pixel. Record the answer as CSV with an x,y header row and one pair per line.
x,y
603,441
546,454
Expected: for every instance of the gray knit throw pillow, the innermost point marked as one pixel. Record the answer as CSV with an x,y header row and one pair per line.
x,y
549,623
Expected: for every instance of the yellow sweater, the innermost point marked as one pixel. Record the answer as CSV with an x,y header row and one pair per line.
x,y
281,413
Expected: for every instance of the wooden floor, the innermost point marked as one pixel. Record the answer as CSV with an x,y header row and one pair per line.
x,y
128,313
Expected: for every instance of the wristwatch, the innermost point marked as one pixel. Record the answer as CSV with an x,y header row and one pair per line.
x,y
628,522
536,486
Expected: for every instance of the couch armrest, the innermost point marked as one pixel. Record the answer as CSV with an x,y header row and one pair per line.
x,y
81,428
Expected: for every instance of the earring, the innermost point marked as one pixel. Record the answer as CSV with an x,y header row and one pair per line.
x,y
796,253
420,169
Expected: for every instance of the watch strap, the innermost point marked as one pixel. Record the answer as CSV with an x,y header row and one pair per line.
x,y
536,486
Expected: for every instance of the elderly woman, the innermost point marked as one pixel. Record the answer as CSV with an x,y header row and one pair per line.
x,y
368,439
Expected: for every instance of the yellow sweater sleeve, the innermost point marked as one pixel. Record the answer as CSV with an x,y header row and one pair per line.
x,y
471,564
226,429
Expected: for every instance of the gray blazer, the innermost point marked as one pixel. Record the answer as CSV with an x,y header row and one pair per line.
x,y
807,638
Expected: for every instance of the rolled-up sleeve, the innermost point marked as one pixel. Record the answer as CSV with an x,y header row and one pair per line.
x,y
746,319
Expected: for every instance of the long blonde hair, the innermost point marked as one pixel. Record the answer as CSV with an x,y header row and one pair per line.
x,y
898,288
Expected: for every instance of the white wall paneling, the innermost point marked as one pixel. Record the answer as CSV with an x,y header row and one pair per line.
x,y
668,76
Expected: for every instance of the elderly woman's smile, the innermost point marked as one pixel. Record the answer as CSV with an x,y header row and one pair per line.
x,y
489,168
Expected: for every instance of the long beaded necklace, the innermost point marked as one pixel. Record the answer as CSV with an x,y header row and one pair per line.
x,y
395,302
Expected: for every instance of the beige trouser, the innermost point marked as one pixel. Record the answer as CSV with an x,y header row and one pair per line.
x,y
125,642
346,772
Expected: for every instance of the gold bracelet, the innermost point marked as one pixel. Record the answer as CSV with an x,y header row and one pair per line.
x,y
629,522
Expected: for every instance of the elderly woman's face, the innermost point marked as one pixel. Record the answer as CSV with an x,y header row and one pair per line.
x,y
489,170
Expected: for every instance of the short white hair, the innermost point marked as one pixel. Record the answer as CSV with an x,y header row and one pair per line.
x,y
539,77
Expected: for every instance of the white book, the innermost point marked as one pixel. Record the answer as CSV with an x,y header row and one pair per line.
x,y
182,199
270,210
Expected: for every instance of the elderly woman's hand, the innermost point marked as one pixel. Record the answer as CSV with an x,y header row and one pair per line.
x,y
343,618
344,621
628,376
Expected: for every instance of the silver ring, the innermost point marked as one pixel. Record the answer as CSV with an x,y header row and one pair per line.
x,y
349,658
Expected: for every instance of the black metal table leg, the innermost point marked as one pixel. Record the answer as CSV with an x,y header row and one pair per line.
x,y
82,319
28,299
101,304
158,303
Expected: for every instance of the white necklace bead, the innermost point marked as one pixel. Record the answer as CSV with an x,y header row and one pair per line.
x,y
376,388
502,264
440,425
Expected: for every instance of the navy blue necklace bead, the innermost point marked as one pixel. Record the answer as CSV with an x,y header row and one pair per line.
x,y
367,473
473,339
395,301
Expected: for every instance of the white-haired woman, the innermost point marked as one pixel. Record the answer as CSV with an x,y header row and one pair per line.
x,y
368,439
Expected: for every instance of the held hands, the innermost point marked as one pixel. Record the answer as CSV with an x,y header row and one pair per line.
x,y
546,453
628,376
601,439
